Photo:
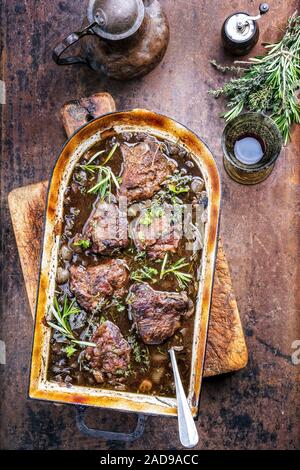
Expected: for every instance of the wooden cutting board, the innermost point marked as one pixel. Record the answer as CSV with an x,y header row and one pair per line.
x,y
226,347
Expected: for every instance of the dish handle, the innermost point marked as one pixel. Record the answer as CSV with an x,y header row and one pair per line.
x,y
109,435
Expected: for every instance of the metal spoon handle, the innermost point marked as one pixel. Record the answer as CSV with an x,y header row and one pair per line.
x,y
188,433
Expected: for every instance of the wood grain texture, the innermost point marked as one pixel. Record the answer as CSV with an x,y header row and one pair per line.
x,y
257,407
27,206
75,113
226,348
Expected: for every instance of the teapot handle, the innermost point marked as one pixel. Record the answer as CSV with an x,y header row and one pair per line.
x,y
66,43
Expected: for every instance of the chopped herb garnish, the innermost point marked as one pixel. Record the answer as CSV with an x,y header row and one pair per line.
x,y
174,186
70,350
146,219
125,372
114,148
120,307
129,298
92,168
158,211
178,190
154,211
141,354
141,255
83,243
118,304
178,183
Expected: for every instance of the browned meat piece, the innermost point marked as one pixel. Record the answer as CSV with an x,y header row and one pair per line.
x,y
106,228
158,230
146,168
157,314
111,356
93,284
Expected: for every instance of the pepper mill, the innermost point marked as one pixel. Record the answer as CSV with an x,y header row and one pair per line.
x,y
240,31
122,39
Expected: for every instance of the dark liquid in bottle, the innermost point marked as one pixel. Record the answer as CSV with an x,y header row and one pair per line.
x,y
249,149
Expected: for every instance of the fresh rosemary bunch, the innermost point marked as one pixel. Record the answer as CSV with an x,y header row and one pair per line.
x,y
269,83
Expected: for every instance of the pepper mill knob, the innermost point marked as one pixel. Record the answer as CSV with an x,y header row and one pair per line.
x,y
263,8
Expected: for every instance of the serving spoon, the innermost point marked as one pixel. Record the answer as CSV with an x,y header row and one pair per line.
x,y
188,433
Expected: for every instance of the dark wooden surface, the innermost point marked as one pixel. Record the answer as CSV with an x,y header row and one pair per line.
x,y
255,408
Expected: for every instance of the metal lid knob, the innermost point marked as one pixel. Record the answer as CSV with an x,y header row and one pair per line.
x,y
116,19
263,8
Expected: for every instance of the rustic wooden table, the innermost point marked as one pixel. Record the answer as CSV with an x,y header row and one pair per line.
x,y
255,408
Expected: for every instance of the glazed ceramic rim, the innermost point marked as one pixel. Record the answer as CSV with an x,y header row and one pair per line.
x,y
250,169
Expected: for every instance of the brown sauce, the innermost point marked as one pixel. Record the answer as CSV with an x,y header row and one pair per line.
x,y
147,362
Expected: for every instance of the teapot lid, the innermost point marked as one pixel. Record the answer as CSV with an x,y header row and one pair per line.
x,y
116,19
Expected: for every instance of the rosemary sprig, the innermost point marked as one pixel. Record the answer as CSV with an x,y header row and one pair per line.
x,y
61,314
92,168
106,176
144,273
88,166
114,148
269,83
182,277
104,183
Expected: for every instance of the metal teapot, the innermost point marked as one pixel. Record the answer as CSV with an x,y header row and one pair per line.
x,y
123,39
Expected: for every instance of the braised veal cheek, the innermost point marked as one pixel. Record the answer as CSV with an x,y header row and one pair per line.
x,y
127,274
